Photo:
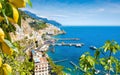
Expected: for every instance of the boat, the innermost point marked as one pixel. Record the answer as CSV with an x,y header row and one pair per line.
x,y
93,47
78,45
70,44
59,44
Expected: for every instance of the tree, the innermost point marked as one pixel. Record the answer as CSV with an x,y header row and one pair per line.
x,y
87,64
109,62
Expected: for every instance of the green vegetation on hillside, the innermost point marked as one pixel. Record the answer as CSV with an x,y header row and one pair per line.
x,y
37,25
24,15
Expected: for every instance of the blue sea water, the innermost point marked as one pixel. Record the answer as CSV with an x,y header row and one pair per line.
x,y
89,35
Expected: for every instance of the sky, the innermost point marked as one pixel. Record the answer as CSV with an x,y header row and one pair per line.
x,y
78,12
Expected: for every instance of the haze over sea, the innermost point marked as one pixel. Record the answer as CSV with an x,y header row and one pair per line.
x,y
89,35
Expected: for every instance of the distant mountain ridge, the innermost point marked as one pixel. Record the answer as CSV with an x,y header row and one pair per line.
x,y
53,22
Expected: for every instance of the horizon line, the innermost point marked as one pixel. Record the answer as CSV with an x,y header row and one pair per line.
x,y
90,25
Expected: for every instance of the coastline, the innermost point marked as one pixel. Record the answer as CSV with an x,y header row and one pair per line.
x,y
44,46
95,36
43,43
36,46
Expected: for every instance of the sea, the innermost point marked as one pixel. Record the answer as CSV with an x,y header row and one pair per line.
x,y
90,36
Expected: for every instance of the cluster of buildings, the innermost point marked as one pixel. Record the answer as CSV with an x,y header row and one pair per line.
x,y
40,62
26,33
52,30
39,57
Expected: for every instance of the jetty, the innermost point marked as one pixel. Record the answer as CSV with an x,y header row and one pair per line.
x,y
68,44
76,66
60,60
65,39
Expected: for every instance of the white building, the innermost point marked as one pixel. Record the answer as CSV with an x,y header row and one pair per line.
x,y
41,63
50,33
44,47
41,68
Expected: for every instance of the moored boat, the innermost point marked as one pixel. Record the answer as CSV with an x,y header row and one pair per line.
x,y
93,47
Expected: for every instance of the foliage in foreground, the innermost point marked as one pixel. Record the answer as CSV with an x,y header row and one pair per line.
x,y
55,69
9,54
107,60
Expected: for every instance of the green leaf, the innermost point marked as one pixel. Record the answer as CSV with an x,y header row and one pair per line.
x,y
10,45
102,61
90,60
97,54
9,73
105,50
29,2
118,67
112,69
69,69
3,12
106,67
23,73
117,46
82,57
114,50
52,71
9,10
88,73
7,35
19,20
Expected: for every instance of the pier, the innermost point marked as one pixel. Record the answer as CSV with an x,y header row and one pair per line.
x,y
68,44
76,66
60,60
67,39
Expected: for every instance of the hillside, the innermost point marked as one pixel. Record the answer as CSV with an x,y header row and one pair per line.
x,y
53,22
31,27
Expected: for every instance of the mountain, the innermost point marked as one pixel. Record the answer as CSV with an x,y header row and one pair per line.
x,y
53,22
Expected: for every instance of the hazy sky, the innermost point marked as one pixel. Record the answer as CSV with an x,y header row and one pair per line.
x,y
78,12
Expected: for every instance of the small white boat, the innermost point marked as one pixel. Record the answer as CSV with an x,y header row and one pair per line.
x,y
70,44
93,47
59,44
78,45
